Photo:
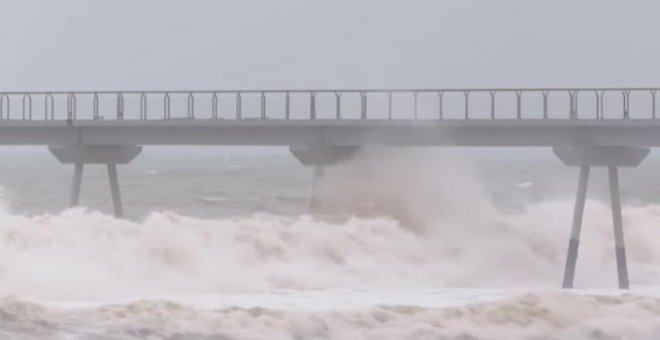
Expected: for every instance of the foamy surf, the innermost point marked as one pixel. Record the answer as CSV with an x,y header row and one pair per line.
x,y
85,275
396,252
549,315
87,255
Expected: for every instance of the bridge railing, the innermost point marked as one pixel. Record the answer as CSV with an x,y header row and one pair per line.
x,y
361,104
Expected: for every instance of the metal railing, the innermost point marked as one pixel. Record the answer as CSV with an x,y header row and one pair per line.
x,y
417,104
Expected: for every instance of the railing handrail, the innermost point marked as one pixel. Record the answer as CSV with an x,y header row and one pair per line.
x,y
346,90
365,96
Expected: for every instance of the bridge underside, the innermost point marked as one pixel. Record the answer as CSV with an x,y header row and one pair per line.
x,y
335,133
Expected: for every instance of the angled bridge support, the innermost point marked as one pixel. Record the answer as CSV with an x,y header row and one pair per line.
x,y
611,157
109,155
320,157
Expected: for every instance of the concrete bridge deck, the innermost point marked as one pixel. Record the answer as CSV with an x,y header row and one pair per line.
x,y
503,133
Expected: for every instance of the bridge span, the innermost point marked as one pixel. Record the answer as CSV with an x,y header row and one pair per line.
x,y
414,117
586,127
358,133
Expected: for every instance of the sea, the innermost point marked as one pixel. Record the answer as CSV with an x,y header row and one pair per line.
x,y
418,243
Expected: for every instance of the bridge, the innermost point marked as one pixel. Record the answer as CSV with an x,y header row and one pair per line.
x,y
586,127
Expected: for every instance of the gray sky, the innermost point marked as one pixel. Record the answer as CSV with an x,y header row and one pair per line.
x,y
196,44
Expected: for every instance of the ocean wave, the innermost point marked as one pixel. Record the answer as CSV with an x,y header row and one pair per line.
x,y
385,223
87,255
528,316
388,220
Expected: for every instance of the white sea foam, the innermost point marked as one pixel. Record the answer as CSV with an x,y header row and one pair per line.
x,y
526,316
412,226
85,255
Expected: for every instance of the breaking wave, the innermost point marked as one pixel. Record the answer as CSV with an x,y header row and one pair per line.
x,y
528,316
385,223
411,224
86,255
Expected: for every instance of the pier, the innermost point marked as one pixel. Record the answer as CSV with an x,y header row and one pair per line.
x,y
586,127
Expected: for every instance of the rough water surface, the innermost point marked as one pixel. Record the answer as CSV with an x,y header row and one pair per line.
x,y
396,252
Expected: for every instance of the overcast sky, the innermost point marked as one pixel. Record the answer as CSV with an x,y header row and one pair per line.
x,y
196,44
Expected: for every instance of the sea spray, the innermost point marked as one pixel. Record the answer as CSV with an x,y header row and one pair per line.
x,y
409,230
423,228
417,188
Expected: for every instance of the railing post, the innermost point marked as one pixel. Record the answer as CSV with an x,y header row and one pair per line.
x,y
96,106
653,100
49,97
545,104
415,95
363,97
143,106
338,105
441,94
626,104
71,105
312,105
166,106
492,105
389,105
120,106
602,104
577,104
263,105
287,106
191,106
27,106
572,109
467,104
4,97
239,106
598,108
519,104
214,106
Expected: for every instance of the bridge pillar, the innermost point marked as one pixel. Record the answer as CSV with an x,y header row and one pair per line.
x,y
77,182
611,157
110,155
314,202
320,157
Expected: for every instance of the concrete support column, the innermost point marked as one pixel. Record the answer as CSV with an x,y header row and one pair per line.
x,y
620,246
320,157
611,157
574,242
109,155
314,201
114,190
75,186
